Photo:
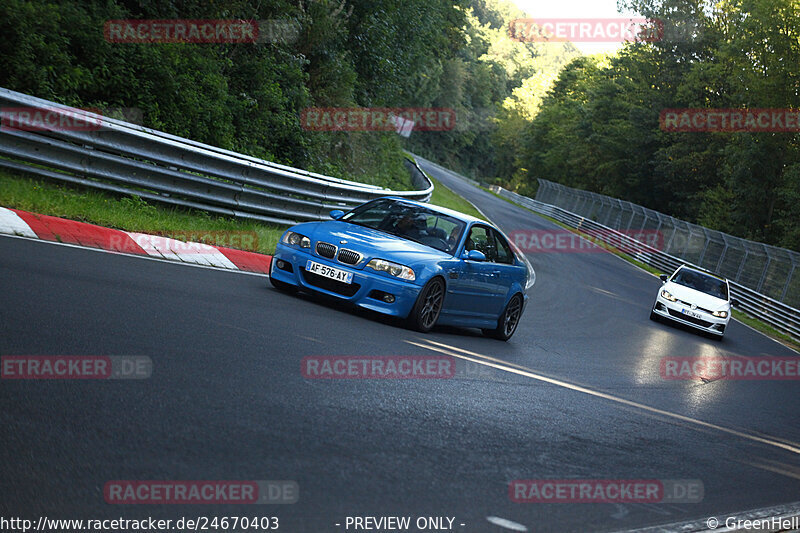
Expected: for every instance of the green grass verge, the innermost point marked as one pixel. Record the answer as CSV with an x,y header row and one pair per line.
x,y
444,197
766,329
742,317
129,213
32,194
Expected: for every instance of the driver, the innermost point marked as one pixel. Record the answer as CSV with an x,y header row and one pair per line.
x,y
407,226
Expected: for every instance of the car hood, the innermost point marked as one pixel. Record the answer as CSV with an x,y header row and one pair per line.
x,y
700,299
369,242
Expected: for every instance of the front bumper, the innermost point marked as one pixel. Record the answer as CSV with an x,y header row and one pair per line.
x,y
366,290
673,311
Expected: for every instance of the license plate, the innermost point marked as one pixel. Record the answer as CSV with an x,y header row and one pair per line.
x,y
691,313
329,272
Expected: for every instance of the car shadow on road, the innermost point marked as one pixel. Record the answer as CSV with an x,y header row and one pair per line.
x,y
367,314
689,329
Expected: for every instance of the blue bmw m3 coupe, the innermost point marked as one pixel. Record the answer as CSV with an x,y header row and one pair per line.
x,y
411,260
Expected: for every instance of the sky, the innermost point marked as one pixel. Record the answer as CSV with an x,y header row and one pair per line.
x,y
572,9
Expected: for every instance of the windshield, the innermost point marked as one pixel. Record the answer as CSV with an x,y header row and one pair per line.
x,y
411,222
702,282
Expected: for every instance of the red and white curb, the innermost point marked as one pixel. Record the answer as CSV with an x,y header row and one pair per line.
x,y
47,228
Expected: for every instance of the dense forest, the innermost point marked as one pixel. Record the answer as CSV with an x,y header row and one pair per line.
x,y
523,110
598,127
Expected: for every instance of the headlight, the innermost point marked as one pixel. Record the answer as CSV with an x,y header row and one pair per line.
x,y
295,239
398,271
668,296
720,314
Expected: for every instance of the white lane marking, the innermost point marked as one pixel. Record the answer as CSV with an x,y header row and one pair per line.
x,y
777,467
485,360
137,256
12,224
505,523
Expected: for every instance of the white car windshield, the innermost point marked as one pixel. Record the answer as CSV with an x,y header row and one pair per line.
x,y
702,282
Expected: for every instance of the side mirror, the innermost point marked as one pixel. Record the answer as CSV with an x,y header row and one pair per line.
x,y
336,214
734,303
473,255
663,278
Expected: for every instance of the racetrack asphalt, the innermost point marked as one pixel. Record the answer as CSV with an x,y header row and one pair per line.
x,y
227,401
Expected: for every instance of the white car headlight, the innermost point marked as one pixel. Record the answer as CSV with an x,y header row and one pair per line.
x,y
666,294
296,239
398,271
720,314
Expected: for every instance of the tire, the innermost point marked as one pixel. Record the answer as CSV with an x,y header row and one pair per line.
x,y
508,321
283,287
426,310
653,316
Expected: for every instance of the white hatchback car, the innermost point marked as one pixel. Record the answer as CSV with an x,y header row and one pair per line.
x,y
696,298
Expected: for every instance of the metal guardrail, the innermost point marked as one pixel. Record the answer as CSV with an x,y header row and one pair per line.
x,y
782,317
766,269
125,158
446,170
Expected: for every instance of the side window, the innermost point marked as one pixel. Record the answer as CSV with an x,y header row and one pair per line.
x,y
504,254
481,239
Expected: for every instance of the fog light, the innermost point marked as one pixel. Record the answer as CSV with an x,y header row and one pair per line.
x,y
388,298
286,266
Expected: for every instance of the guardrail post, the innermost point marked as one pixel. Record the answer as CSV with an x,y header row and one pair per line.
x,y
764,272
788,281
608,206
645,218
705,247
741,265
722,255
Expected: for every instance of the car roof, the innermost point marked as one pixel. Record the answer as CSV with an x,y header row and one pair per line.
x,y
453,213
702,271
